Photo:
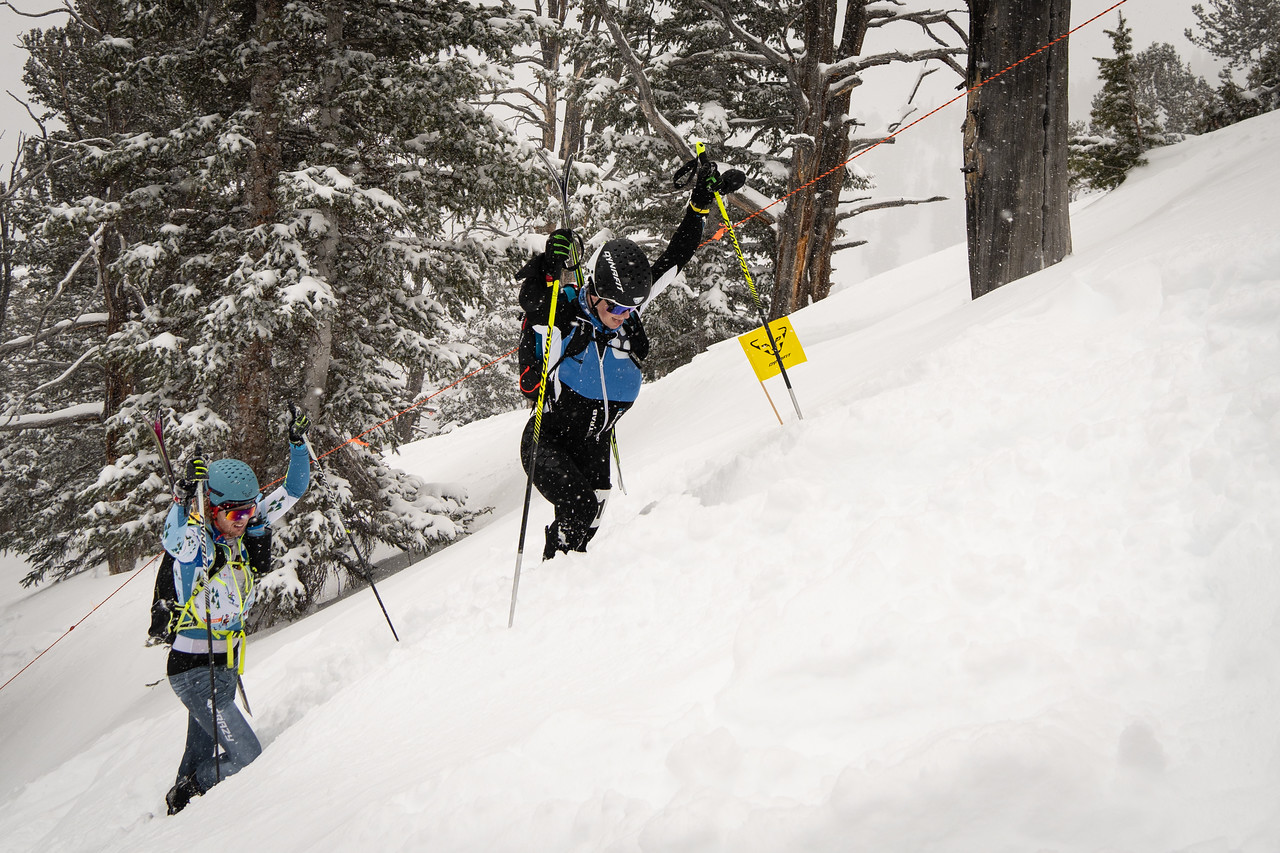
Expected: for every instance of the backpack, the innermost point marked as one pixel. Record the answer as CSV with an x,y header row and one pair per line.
x,y
164,605
535,301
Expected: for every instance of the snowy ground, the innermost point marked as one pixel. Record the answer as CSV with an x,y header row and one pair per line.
x,y
1010,586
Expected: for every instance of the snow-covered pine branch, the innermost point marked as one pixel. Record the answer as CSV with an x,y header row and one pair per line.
x,y
84,321
45,420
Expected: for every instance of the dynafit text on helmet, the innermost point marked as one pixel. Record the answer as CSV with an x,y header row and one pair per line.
x,y
217,541
592,367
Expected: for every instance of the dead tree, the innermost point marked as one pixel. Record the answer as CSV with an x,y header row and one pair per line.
x,y
1015,140
817,57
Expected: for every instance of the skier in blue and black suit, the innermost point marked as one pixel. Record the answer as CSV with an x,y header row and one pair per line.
x,y
596,349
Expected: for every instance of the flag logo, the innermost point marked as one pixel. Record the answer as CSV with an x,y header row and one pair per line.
x,y
764,360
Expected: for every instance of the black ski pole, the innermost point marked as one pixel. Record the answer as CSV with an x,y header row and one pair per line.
x,y
360,560
617,459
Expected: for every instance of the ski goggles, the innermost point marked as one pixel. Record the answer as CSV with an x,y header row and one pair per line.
x,y
614,308
235,513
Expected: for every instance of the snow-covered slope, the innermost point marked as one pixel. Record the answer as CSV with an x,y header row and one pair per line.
x,y
1010,586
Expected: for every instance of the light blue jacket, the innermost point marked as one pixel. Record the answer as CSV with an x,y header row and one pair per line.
x,y
197,547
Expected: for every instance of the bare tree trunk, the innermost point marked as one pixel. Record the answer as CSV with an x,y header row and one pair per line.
x,y
550,47
1015,141
264,159
572,126
329,117
836,147
118,384
807,228
796,225
6,257
254,392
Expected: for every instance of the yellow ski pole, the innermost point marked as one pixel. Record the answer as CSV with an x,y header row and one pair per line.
x,y
701,151
563,182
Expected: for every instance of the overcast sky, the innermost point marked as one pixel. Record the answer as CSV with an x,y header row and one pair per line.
x,y
1151,20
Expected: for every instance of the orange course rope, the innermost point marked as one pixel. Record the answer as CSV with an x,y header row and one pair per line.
x,y
723,229
76,625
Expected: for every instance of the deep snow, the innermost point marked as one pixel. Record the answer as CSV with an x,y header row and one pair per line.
x,y
1011,586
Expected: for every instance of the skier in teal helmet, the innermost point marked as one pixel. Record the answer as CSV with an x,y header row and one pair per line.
x,y
215,565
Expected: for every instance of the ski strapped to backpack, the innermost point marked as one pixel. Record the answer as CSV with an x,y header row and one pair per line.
x,y
164,601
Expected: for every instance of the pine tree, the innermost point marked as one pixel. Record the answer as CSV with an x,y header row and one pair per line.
x,y
1121,126
1246,33
1239,31
290,202
1166,86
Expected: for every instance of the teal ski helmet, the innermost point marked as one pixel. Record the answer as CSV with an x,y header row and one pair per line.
x,y
231,481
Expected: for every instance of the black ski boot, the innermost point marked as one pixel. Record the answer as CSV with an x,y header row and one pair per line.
x,y
553,544
181,793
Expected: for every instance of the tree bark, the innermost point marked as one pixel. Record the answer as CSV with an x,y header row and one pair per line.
x,y
254,393
264,159
329,117
118,384
1015,141
807,228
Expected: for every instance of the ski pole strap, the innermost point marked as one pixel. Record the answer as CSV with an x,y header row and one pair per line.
x,y
687,172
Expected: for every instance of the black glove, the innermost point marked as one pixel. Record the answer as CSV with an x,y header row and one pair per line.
x,y
197,472
636,336
298,428
732,181
562,246
709,181
705,185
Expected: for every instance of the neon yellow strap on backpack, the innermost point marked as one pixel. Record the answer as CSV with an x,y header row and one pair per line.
x,y
188,617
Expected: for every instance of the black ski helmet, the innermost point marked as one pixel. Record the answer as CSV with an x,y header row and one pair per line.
x,y
621,273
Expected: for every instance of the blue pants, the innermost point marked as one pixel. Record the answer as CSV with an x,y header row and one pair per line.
x,y
239,743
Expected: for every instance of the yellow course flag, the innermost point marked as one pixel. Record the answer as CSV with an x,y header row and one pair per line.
x,y
756,345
